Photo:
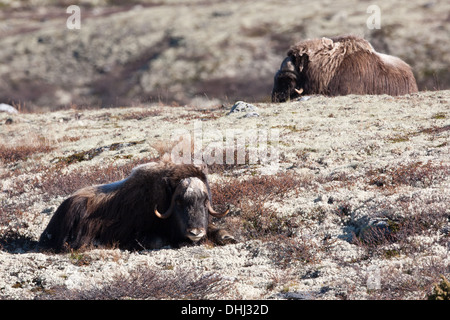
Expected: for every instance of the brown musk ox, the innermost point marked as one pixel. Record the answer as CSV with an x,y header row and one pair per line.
x,y
339,66
159,204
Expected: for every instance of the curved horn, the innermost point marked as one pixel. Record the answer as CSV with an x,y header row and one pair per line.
x,y
299,91
168,213
214,213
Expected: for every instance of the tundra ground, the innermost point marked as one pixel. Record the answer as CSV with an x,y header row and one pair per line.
x,y
355,205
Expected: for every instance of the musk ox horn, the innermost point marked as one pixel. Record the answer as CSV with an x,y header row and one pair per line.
x,y
299,91
166,214
169,211
215,213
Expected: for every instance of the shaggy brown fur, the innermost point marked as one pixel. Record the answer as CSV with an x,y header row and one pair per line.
x,y
122,213
339,66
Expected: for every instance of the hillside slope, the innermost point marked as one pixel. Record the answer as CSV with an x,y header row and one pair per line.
x,y
353,205
192,52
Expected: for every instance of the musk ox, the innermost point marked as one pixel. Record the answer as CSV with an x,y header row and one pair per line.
x,y
339,66
159,204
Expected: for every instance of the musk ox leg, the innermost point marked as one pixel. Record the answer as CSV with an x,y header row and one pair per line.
x,y
220,236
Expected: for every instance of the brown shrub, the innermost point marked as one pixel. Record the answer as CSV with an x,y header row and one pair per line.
x,y
10,153
257,189
139,115
255,218
415,174
399,283
286,250
259,222
145,283
405,220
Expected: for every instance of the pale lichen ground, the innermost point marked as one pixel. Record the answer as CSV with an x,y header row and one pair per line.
x,y
345,150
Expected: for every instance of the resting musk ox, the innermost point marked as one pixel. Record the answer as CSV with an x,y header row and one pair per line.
x,y
158,204
339,66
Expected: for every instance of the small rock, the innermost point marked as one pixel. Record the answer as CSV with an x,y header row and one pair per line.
x,y
303,98
8,108
374,230
251,114
446,230
242,106
48,210
299,295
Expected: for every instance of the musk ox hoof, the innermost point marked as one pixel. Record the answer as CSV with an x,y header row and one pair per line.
x,y
228,239
221,236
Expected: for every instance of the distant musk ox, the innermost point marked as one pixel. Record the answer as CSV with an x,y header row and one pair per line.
x,y
339,66
158,204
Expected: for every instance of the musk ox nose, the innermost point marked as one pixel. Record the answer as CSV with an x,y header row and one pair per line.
x,y
195,234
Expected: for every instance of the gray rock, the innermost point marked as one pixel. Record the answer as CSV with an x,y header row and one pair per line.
x,y
251,114
303,98
242,106
375,230
298,296
8,108
48,210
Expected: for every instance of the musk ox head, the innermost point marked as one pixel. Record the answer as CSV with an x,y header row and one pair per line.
x,y
287,82
190,208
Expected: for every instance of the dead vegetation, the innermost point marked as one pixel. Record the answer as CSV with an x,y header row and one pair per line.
x,y
414,174
10,153
144,283
403,225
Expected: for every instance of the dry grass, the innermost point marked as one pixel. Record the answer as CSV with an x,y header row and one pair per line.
x,y
256,189
145,283
23,150
401,283
254,216
414,174
405,223
287,251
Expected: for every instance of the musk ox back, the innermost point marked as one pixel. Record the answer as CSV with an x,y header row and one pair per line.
x,y
158,204
340,66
